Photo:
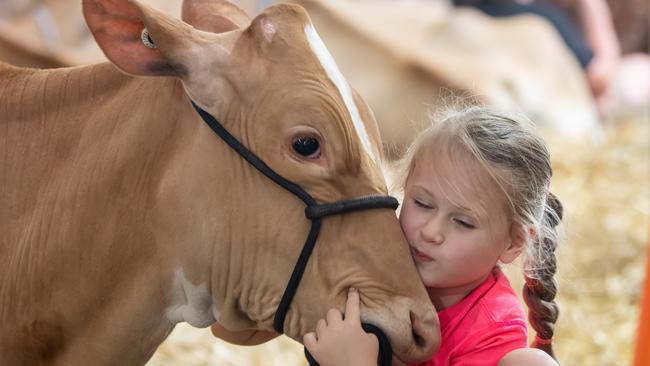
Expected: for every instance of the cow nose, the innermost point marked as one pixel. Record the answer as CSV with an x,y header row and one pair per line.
x,y
426,333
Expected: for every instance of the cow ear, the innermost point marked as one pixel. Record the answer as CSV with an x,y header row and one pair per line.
x,y
215,16
118,26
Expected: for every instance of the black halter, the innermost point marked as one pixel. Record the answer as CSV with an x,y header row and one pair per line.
x,y
314,212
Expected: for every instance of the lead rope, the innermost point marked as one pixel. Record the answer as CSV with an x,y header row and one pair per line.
x,y
314,212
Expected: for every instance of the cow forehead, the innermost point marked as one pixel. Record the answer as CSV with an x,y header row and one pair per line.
x,y
331,69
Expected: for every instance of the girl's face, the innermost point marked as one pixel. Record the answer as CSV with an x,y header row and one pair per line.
x,y
454,218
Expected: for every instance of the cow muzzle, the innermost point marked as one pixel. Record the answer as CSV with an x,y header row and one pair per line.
x,y
412,326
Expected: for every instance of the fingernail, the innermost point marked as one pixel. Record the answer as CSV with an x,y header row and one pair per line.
x,y
352,289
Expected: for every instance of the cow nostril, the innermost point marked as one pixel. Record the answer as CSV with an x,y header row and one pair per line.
x,y
419,332
419,340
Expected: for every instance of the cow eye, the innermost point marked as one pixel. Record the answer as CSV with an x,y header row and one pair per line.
x,y
308,147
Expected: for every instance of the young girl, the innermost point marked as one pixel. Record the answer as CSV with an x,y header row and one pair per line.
x,y
476,194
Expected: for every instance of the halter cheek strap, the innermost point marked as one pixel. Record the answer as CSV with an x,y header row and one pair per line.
x,y
314,212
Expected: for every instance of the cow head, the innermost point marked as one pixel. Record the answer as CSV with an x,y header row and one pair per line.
x,y
274,85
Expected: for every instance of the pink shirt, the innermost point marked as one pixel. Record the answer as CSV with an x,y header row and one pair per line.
x,y
482,327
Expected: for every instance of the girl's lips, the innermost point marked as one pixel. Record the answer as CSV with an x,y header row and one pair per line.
x,y
420,256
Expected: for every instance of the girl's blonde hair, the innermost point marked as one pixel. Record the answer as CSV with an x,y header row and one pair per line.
x,y
519,162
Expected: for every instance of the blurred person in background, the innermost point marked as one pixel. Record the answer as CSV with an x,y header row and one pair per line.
x,y
589,29
592,39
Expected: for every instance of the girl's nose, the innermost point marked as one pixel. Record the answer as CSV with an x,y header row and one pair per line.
x,y
433,231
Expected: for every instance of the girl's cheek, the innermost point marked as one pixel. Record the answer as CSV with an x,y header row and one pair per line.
x,y
404,221
409,233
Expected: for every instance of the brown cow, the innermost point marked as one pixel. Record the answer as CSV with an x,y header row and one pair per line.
x,y
122,213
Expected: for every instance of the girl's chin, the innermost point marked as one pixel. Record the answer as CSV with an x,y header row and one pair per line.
x,y
428,279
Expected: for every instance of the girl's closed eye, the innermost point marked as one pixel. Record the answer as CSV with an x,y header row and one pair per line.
x,y
464,223
421,204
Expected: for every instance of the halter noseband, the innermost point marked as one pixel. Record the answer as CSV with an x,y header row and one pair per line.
x,y
314,212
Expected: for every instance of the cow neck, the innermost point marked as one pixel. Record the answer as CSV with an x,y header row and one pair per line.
x,y
314,212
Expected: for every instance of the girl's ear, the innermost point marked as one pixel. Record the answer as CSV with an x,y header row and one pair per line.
x,y
519,236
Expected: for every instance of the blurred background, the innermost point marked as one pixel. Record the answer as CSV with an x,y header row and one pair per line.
x,y
579,68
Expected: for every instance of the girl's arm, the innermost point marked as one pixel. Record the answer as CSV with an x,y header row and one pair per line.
x,y
248,337
527,357
339,342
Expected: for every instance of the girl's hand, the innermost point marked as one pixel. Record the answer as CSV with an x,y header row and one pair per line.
x,y
247,337
339,342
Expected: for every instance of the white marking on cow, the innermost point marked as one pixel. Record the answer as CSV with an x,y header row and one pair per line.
x,y
328,63
190,303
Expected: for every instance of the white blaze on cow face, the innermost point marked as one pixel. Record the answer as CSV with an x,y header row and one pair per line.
x,y
328,63
190,303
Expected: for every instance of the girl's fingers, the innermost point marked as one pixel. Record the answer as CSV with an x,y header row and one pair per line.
x,y
352,306
334,316
321,326
309,340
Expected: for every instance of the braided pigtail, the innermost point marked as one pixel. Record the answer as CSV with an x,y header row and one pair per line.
x,y
540,288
